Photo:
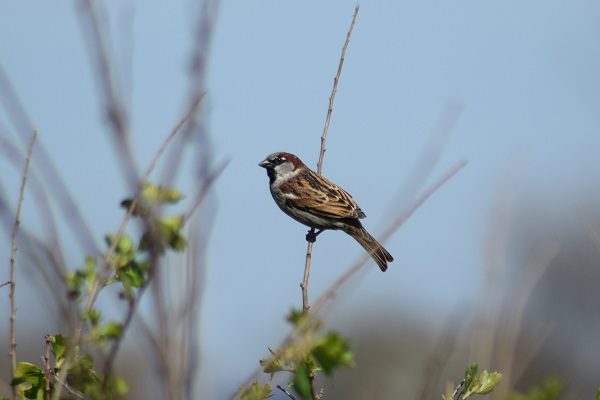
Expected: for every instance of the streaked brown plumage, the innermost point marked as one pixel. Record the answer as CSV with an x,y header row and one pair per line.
x,y
318,203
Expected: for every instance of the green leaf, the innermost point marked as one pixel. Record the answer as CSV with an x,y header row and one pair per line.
x,y
482,383
134,274
112,330
470,373
167,234
551,389
333,351
256,391
177,241
301,381
93,316
271,365
83,377
169,230
29,379
117,385
156,194
84,276
295,317
123,246
598,394
58,346
124,250
26,372
486,382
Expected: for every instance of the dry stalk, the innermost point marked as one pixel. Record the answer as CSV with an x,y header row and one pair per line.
x,y
304,284
286,392
47,373
309,245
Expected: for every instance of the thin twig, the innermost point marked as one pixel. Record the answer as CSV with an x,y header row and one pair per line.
x,y
457,392
304,284
111,90
334,91
133,303
309,245
97,284
13,253
287,393
5,284
47,373
47,169
72,391
203,189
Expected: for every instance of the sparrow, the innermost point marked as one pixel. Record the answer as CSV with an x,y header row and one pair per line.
x,y
318,203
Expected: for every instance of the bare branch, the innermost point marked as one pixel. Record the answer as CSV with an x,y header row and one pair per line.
x,y
203,189
334,91
110,88
311,234
457,392
13,253
287,393
50,175
47,372
304,284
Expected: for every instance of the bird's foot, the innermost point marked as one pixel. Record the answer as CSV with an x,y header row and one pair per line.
x,y
311,236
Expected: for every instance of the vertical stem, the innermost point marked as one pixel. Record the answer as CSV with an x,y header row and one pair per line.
x,y
13,253
334,92
304,284
47,375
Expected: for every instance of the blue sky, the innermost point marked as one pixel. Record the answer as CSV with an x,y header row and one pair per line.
x,y
525,74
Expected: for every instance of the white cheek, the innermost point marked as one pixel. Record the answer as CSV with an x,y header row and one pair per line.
x,y
284,176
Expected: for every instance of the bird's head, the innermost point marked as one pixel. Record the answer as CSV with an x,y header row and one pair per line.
x,y
281,165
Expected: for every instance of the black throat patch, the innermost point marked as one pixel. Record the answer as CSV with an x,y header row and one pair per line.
x,y
271,173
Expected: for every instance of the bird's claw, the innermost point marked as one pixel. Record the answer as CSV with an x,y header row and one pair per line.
x,y
311,236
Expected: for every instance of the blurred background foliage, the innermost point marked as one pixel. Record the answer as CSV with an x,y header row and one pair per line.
x,y
500,267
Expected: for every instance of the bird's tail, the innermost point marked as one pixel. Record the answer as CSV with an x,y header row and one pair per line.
x,y
368,242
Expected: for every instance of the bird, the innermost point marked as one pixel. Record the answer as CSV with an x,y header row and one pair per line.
x,y
318,203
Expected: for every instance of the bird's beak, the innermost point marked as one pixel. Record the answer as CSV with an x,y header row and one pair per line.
x,y
264,163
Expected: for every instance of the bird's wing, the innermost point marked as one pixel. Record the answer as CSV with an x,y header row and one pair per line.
x,y
315,194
